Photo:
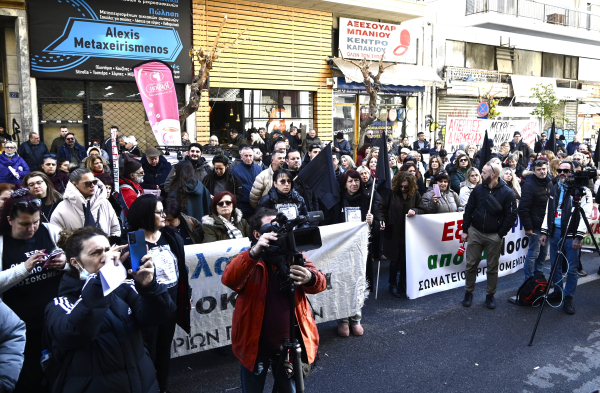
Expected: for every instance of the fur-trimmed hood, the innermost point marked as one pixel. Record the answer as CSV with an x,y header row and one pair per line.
x,y
211,220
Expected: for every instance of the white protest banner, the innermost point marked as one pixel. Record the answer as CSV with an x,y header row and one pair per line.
x,y
594,221
360,39
342,259
432,264
472,130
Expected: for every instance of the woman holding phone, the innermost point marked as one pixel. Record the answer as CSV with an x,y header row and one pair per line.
x,y
165,247
440,198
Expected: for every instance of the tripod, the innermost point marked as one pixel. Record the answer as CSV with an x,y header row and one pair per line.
x,y
290,360
577,212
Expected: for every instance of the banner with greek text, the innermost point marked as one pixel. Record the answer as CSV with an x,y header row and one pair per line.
x,y
469,130
432,241
594,220
342,259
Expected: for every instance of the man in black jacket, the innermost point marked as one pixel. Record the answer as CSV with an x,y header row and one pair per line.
x,y
532,210
489,215
294,164
421,145
33,152
541,144
556,221
519,146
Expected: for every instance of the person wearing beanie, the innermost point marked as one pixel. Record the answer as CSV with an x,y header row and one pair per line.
x,y
341,146
221,178
129,182
156,169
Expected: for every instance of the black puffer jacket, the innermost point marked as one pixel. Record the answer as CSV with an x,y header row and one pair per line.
x,y
481,217
97,339
534,198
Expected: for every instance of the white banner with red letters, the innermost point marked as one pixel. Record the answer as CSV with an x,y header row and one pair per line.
x,y
432,263
468,130
342,258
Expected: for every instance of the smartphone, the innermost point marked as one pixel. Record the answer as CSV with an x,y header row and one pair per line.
x,y
137,248
436,191
53,255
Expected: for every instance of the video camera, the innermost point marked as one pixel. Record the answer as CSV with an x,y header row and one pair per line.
x,y
580,179
292,241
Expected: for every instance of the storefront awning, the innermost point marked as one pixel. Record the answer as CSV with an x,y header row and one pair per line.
x,y
522,86
396,75
359,87
566,94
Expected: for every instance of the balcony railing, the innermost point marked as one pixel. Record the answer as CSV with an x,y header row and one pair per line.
x,y
546,13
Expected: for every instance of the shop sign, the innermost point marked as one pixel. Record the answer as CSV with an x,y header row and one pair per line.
x,y
360,39
104,39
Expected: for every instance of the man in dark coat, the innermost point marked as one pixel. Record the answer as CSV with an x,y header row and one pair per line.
x,y
341,146
519,146
236,140
573,146
421,145
201,167
33,152
295,138
541,144
156,169
246,172
532,209
71,150
294,164
60,140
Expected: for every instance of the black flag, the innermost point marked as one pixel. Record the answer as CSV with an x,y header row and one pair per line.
x,y
551,144
597,151
319,175
383,172
486,152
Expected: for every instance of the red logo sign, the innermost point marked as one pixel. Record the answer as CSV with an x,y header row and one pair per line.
x,y
404,43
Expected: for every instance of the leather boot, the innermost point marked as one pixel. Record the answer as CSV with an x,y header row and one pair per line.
x,y
489,301
569,306
394,291
468,299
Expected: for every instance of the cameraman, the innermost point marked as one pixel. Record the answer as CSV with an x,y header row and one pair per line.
x,y
557,217
261,317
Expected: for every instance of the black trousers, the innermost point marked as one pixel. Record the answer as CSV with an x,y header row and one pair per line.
x,y
31,377
398,265
158,342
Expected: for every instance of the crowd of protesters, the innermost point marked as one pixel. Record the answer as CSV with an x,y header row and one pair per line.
x,y
63,220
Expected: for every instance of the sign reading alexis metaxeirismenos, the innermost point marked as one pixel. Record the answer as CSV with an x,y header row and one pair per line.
x,y
104,39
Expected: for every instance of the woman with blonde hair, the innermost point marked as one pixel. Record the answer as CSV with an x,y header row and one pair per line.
x,y
548,154
347,162
472,179
511,180
554,164
97,164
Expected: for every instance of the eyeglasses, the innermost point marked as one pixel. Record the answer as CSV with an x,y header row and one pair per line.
x,y
36,203
463,160
88,184
405,187
438,143
9,147
37,183
224,203
284,181
161,213
49,155
559,170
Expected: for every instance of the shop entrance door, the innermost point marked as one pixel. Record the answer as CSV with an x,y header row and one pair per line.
x,y
224,117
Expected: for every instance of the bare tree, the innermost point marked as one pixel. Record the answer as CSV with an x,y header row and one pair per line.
x,y
206,60
372,86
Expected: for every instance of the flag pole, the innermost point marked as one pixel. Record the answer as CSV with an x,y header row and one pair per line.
x,y
372,193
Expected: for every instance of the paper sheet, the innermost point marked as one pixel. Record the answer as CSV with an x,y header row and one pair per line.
x,y
112,276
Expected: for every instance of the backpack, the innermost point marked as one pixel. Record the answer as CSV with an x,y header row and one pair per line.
x,y
532,290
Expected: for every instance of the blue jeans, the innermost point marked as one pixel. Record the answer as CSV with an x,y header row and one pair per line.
x,y
572,261
536,255
254,381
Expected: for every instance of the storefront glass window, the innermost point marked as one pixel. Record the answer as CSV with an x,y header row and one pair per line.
x,y
279,110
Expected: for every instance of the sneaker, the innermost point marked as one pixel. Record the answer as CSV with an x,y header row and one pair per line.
x,y
582,273
357,329
343,330
468,299
489,301
569,306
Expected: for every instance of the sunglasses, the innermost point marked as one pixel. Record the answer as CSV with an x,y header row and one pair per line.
x,y
224,203
405,187
70,139
463,160
284,181
88,184
563,170
36,203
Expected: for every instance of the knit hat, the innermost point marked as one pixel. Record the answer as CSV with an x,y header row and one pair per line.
x,y
339,135
152,152
405,151
516,133
491,141
130,167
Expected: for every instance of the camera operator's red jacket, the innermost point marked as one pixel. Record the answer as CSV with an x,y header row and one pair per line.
x,y
249,278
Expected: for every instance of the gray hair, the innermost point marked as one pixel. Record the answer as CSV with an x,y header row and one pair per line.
x,y
246,148
513,157
77,174
214,137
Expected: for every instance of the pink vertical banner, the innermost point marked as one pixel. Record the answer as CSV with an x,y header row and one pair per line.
x,y
155,83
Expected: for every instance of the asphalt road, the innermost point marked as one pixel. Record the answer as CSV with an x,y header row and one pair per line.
x,y
433,344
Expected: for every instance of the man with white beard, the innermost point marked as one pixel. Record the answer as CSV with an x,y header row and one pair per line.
x,y
129,182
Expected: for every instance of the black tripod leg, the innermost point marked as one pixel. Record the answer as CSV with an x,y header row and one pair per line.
x,y
558,259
